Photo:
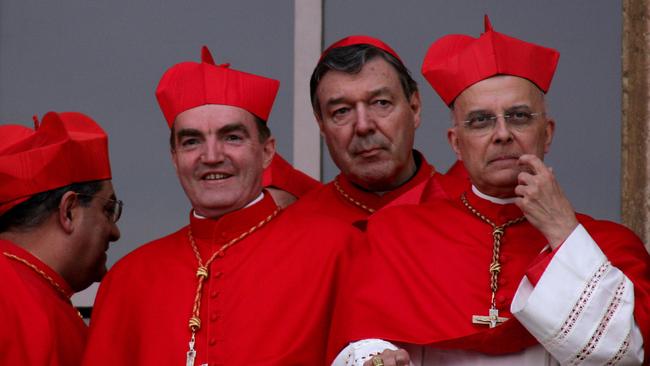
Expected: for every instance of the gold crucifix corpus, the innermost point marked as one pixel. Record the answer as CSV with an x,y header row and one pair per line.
x,y
491,320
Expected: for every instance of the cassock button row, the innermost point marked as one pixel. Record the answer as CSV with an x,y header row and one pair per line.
x,y
214,294
212,342
218,274
214,317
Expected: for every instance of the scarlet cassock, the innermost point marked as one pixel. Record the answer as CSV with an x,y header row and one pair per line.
x,y
468,281
343,199
40,326
266,301
252,287
424,278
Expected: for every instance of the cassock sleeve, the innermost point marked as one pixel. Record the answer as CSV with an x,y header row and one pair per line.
x,y
582,308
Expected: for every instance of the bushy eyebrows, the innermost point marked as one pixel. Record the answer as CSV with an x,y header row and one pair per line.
x,y
234,127
224,130
372,94
187,132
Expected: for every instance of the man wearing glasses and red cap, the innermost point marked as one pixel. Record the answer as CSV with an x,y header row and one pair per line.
x,y
504,273
245,283
58,213
367,107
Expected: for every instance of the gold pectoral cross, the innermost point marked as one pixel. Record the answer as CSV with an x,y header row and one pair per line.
x,y
491,320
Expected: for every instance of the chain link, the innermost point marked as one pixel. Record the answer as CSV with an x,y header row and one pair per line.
x,y
497,233
202,270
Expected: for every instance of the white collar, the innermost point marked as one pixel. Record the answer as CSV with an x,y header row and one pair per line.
x,y
259,198
498,201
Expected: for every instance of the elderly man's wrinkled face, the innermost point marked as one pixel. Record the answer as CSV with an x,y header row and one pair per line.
x,y
219,158
369,125
490,144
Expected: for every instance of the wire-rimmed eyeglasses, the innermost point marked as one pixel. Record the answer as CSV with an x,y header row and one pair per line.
x,y
113,209
484,122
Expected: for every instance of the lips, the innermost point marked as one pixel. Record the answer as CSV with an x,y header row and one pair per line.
x,y
215,176
368,152
504,159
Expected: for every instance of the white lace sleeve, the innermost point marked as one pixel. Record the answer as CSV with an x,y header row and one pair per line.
x,y
582,308
356,353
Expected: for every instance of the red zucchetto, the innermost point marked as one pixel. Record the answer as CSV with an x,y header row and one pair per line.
x,y
360,39
455,62
190,84
66,148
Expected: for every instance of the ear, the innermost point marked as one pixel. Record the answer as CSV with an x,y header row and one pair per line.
x,y
268,151
452,137
68,211
550,131
416,107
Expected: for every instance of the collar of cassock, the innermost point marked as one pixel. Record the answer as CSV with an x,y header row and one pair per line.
x,y
229,226
11,248
375,201
497,210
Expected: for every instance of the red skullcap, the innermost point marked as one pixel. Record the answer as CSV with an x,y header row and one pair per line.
x,y
66,148
189,84
455,62
357,40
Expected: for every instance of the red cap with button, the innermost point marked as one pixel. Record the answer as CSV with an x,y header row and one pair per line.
x,y
455,62
190,84
63,149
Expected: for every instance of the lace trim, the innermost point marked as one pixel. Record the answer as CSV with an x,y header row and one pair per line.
x,y
621,352
613,306
582,302
354,357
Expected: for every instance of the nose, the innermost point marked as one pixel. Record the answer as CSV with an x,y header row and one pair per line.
x,y
365,123
501,133
212,153
115,233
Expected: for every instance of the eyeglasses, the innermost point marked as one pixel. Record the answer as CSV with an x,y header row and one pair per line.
x,y
484,122
113,209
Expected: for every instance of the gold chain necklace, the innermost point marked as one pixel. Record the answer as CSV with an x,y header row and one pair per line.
x,y
357,203
350,199
202,273
492,319
40,272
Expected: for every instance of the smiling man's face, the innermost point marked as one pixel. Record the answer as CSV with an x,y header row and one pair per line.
x,y
219,158
490,156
